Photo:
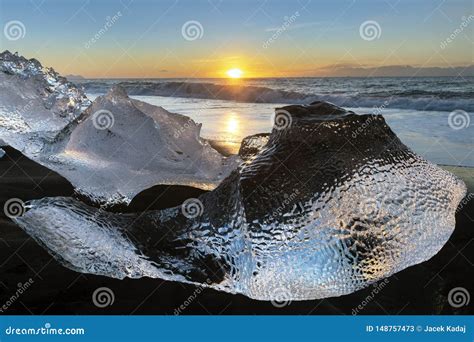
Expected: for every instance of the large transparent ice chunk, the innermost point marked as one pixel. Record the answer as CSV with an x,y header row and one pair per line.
x,y
332,203
35,103
112,150
124,146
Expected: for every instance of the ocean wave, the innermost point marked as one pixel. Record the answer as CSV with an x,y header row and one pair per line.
x,y
414,99
201,90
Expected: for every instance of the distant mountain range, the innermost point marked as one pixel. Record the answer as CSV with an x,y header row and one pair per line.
x,y
74,77
394,71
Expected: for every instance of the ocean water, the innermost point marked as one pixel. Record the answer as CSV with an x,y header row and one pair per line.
x,y
433,116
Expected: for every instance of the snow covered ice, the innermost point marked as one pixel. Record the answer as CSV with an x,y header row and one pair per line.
x,y
323,207
110,151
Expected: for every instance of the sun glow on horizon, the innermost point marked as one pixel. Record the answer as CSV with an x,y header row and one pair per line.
x,y
234,73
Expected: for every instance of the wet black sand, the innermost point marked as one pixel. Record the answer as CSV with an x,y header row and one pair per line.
x,y
421,289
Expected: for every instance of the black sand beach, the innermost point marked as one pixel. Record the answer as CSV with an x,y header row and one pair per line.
x,y
421,289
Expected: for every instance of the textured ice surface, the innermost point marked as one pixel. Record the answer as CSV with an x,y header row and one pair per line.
x,y
110,151
332,203
138,146
35,103
252,145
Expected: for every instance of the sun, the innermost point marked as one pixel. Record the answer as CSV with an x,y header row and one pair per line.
x,y
234,73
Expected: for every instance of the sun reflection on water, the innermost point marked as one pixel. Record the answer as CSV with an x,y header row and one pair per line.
x,y
232,124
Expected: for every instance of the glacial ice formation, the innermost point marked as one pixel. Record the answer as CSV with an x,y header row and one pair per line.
x,y
333,202
252,145
138,146
35,103
110,151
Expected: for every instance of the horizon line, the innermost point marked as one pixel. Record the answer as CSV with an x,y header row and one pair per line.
x,y
250,78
